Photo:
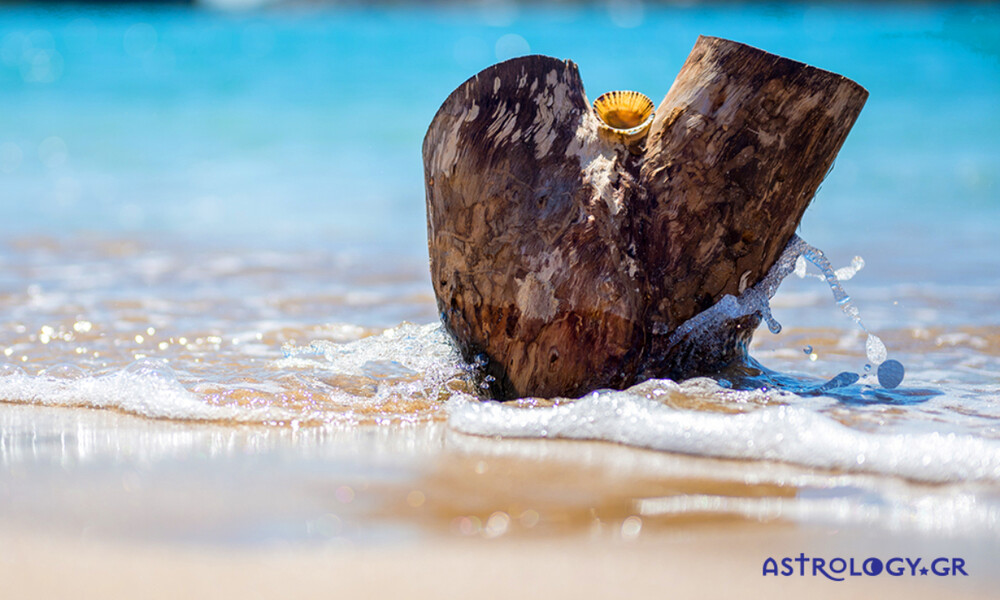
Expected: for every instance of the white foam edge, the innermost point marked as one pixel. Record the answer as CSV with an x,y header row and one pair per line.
x,y
781,433
143,395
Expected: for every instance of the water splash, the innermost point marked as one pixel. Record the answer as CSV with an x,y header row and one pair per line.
x,y
874,347
818,258
842,274
703,328
405,371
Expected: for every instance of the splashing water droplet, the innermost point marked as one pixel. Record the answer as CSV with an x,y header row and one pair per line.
x,y
772,324
846,273
816,257
890,374
800,267
842,274
875,350
702,329
486,382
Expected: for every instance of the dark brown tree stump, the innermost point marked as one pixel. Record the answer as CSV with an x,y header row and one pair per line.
x,y
563,258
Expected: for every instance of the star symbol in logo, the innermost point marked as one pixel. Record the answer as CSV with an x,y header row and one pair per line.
x,y
923,571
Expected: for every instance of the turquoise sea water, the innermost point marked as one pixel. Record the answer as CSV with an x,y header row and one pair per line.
x,y
307,124
207,215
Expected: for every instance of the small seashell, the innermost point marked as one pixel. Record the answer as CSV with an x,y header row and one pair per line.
x,y
624,116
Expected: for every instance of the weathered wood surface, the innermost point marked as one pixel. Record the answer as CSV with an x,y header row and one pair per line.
x,y
563,261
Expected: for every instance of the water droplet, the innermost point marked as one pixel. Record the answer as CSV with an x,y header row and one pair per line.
x,y
816,257
868,368
765,311
875,350
845,273
800,267
890,374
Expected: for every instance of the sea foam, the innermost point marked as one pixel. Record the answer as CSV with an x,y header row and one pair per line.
x,y
146,388
779,433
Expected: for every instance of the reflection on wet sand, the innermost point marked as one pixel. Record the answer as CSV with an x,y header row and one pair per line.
x,y
398,510
116,476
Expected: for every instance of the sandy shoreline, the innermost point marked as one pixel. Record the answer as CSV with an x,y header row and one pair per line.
x,y
95,504
717,563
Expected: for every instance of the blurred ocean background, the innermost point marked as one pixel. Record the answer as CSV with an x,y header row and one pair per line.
x,y
304,124
217,214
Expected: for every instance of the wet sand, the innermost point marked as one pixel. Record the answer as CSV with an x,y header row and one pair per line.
x,y
99,504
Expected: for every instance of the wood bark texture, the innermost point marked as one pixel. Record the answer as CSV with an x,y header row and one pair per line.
x,y
562,260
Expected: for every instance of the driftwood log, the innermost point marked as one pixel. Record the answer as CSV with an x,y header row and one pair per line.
x,y
563,260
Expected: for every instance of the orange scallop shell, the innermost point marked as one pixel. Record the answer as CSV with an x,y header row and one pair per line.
x,y
626,115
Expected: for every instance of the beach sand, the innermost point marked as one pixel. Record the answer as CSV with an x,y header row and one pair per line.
x,y
719,562
96,504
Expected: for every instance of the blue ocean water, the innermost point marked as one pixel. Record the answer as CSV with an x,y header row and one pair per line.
x,y
306,124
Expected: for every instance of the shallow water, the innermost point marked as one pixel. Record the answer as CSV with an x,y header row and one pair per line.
x,y
210,335
197,229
